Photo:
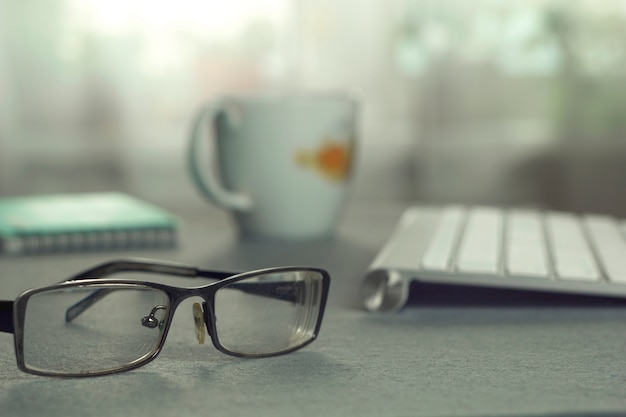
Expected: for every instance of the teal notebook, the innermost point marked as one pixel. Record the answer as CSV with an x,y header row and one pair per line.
x,y
82,222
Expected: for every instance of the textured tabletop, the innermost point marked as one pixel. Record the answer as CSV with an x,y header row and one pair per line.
x,y
459,360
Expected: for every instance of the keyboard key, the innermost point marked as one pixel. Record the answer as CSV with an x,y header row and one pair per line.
x,y
610,246
439,253
526,253
573,258
409,241
481,245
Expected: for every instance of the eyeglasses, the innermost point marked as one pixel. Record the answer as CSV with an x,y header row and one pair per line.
x,y
90,325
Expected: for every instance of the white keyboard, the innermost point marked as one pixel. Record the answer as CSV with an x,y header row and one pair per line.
x,y
493,247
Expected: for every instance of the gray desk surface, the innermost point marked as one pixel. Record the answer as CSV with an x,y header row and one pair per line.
x,y
434,361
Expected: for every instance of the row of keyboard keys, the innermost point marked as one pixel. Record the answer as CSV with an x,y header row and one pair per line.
x,y
527,243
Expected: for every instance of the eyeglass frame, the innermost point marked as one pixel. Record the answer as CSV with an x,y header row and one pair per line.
x,y
12,313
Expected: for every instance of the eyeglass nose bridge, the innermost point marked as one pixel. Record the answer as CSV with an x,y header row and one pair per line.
x,y
199,321
202,321
199,311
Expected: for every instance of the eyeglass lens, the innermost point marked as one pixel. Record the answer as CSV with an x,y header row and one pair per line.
x,y
120,329
268,313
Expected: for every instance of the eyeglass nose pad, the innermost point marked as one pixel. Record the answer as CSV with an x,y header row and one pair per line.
x,y
198,319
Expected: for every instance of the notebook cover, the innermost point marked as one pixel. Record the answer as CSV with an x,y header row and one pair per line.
x,y
49,223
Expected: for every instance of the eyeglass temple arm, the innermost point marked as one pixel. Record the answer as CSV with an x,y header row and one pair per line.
x,y
132,265
275,290
272,290
109,268
6,316
100,271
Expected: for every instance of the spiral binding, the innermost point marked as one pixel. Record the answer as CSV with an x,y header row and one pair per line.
x,y
159,238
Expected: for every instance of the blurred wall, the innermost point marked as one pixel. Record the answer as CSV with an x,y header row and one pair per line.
x,y
481,101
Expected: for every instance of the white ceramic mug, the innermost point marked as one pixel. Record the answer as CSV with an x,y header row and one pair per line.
x,y
281,164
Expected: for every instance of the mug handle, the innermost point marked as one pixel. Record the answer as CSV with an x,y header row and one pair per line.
x,y
206,182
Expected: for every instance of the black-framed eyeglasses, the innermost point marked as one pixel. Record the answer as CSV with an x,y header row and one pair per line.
x,y
105,320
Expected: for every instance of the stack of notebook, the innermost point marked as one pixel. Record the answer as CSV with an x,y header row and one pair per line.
x,y
82,222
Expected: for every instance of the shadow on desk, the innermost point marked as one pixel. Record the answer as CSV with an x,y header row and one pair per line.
x,y
448,295
442,306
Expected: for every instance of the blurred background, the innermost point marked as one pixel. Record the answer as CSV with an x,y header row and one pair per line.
x,y
480,101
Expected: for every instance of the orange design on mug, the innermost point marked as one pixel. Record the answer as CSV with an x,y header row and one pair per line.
x,y
332,159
